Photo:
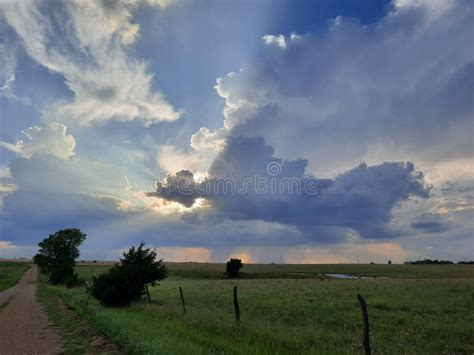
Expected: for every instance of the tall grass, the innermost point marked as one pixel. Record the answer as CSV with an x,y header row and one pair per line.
x,y
291,316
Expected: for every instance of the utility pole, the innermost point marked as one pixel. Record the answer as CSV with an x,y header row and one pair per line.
x,y
357,259
281,259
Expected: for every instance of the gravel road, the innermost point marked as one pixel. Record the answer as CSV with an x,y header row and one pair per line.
x,y
24,325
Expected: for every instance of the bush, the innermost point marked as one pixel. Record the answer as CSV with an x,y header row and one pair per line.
x,y
233,267
116,288
126,282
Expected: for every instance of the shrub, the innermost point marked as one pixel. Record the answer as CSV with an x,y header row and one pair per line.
x,y
141,263
126,282
57,254
116,288
233,267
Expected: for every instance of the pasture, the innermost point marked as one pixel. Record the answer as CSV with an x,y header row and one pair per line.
x,y
291,309
10,273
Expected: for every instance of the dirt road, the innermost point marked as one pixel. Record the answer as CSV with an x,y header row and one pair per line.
x,y
24,325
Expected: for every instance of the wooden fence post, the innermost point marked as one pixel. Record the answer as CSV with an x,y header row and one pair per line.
x,y
182,299
365,318
147,294
236,306
88,291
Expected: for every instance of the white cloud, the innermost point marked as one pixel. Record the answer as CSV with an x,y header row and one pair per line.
x,y
52,139
161,3
205,140
8,63
433,8
280,40
206,145
241,99
89,49
275,40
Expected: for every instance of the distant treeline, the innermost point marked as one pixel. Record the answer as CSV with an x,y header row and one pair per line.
x,y
436,262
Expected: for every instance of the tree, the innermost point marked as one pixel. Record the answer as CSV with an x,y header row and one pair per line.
x,y
57,254
127,281
142,263
233,267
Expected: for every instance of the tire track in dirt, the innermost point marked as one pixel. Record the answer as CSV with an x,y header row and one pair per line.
x,y
24,325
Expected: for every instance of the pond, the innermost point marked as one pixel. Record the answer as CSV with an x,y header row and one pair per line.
x,y
346,276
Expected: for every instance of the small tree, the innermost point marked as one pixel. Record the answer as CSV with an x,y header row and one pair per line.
x,y
233,267
141,262
126,282
57,254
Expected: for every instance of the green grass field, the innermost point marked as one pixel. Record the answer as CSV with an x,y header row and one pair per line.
x,y
10,273
177,271
292,309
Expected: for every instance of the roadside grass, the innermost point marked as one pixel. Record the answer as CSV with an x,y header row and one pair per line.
x,y
4,304
292,316
10,273
77,335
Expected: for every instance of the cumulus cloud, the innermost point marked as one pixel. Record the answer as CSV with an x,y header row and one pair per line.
x,y
52,139
398,89
280,40
243,186
276,40
205,147
88,47
206,141
179,187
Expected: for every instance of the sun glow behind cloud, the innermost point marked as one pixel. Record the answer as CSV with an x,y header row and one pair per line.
x,y
391,92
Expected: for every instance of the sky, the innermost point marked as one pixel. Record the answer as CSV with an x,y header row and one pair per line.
x,y
305,131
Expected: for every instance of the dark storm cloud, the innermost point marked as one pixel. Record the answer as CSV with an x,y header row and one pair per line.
x,y
361,199
431,223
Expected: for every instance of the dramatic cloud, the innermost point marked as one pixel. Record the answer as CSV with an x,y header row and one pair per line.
x,y
390,90
86,42
248,182
399,89
52,139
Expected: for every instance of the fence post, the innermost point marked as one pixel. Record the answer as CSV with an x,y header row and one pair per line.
x,y
236,306
88,291
182,299
365,318
147,294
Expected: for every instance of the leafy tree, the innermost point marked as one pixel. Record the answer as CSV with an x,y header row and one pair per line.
x,y
233,267
127,281
57,254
